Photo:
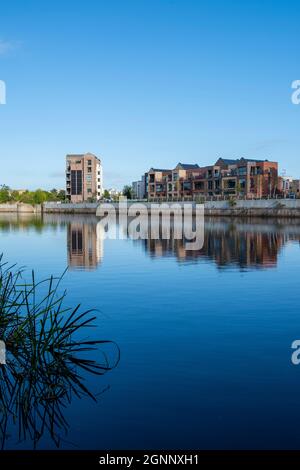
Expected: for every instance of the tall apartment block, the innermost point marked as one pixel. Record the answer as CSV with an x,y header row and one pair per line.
x,y
83,178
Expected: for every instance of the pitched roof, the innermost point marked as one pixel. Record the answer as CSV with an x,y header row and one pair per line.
x,y
188,166
253,160
230,161
158,169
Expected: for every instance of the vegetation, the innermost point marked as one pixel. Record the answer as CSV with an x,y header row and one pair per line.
x,y
232,202
106,194
127,192
30,197
46,359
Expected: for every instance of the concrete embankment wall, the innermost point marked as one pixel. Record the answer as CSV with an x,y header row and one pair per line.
x,y
240,208
21,208
255,208
84,208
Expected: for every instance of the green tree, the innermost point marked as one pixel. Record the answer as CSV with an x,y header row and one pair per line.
x,y
61,195
5,194
127,191
106,194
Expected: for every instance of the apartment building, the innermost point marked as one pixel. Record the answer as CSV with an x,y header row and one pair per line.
x,y
295,188
83,178
176,183
248,177
139,190
239,177
158,179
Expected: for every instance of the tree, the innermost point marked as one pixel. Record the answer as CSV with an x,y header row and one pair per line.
x,y
61,195
31,197
5,195
106,194
40,196
127,192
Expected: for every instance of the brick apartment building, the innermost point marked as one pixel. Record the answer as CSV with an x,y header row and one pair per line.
x,y
83,178
241,177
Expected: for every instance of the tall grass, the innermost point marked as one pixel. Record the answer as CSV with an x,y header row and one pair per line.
x,y
46,356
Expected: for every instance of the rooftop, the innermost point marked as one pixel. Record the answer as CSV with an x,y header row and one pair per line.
x,y
158,169
188,166
229,161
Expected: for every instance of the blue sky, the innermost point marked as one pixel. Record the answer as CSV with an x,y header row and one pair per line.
x,y
146,83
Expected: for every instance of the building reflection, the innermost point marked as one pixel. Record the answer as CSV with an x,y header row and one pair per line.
x,y
245,243
228,244
85,245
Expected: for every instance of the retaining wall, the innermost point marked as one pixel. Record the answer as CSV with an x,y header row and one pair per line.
x,y
21,208
240,208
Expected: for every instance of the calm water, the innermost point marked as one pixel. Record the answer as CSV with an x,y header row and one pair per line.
x,y
205,337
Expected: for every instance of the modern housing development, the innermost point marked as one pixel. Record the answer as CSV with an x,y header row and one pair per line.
x,y
83,178
241,177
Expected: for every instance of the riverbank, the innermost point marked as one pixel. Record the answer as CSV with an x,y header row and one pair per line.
x,y
256,208
21,208
240,208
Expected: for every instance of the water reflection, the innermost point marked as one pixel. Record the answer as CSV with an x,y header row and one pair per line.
x,y
246,243
226,245
85,244
243,243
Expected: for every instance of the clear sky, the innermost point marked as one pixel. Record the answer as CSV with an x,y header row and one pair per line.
x,y
146,83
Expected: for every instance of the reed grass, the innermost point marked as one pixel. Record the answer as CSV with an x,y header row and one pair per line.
x,y
46,355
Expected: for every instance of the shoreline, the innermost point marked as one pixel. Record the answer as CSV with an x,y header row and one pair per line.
x,y
272,208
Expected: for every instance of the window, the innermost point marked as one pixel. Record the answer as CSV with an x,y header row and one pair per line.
x,y
231,184
76,240
76,182
242,170
199,185
89,190
89,162
89,169
242,183
187,186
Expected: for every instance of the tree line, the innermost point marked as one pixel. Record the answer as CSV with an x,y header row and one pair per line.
x,y
30,197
